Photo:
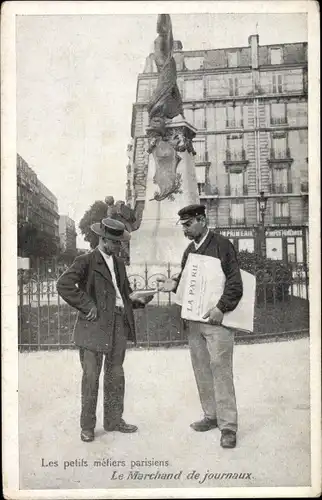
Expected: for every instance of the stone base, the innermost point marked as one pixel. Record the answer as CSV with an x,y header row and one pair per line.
x,y
160,239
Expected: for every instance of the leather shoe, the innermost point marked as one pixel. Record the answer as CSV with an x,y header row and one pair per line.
x,y
87,436
228,439
204,425
122,426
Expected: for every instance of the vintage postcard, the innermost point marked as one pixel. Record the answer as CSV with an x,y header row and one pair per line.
x,y
133,135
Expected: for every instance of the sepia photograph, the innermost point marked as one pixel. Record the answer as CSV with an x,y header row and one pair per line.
x,y
160,182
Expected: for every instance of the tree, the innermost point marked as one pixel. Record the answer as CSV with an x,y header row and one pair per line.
x,y
273,277
32,242
95,213
67,256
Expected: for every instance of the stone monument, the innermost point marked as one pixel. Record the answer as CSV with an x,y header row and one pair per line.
x,y
171,178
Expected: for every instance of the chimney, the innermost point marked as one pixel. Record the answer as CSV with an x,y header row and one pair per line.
x,y
253,42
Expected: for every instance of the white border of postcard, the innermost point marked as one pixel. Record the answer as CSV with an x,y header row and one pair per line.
x,y
9,240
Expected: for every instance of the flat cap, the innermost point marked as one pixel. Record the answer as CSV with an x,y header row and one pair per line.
x,y
191,211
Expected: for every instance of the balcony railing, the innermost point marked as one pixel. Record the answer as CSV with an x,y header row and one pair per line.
x,y
282,219
304,187
234,123
280,188
232,156
210,190
236,191
280,120
277,154
239,221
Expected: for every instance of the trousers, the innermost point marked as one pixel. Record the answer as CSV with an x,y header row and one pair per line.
x,y
211,350
113,383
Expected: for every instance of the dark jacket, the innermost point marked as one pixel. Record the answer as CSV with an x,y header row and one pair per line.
x,y
220,247
88,282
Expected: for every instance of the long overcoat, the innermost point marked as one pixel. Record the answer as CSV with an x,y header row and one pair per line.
x,y
88,282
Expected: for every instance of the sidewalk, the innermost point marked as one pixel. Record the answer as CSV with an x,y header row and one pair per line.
x,y
272,388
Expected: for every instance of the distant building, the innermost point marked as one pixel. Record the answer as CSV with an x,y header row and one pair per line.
x,y
67,234
249,105
37,205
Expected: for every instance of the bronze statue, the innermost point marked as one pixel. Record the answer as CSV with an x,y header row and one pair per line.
x,y
118,210
166,102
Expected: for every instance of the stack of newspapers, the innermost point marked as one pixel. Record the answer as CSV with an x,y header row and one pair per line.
x,y
201,286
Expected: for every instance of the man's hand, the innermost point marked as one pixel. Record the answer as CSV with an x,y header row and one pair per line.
x,y
137,297
166,285
215,316
92,315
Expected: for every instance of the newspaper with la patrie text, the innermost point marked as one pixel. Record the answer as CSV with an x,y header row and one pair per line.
x,y
201,286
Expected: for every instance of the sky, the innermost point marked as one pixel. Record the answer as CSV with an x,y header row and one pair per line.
x,y
76,83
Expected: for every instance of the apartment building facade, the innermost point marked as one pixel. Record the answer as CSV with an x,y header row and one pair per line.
x,y
67,234
36,204
249,105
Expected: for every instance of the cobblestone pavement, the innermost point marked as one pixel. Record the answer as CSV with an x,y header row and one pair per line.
x,y
272,388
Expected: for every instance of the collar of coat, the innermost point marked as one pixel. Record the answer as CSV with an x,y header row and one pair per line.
x,y
101,267
204,244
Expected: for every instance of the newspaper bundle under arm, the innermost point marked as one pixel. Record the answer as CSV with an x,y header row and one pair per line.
x,y
201,286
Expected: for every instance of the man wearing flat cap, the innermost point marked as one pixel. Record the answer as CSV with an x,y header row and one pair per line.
x,y
97,285
211,344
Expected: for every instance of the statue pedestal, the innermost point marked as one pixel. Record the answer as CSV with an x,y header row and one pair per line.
x,y
171,169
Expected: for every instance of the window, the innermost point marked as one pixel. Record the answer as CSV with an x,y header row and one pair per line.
x,y
193,89
234,116
236,183
200,148
278,113
277,83
237,212
145,121
214,85
196,117
295,249
245,244
232,59
199,118
201,179
291,249
274,248
282,210
201,188
280,176
234,149
233,86
280,181
145,90
279,147
276,56
193,63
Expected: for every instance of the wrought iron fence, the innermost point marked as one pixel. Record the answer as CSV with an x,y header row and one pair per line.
x,y
45,321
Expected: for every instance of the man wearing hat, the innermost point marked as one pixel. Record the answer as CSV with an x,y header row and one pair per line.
x,y
97,285
211,344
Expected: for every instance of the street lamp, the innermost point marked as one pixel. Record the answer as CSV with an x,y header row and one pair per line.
x,y
262,203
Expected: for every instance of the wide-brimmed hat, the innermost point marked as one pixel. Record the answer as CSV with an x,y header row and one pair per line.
x,y
111,229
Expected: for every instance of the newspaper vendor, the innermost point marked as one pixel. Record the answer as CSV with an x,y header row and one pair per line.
x,y
211,344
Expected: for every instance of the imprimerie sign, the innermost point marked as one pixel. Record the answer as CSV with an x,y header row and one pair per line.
x,y
250,233
237,233
284,232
